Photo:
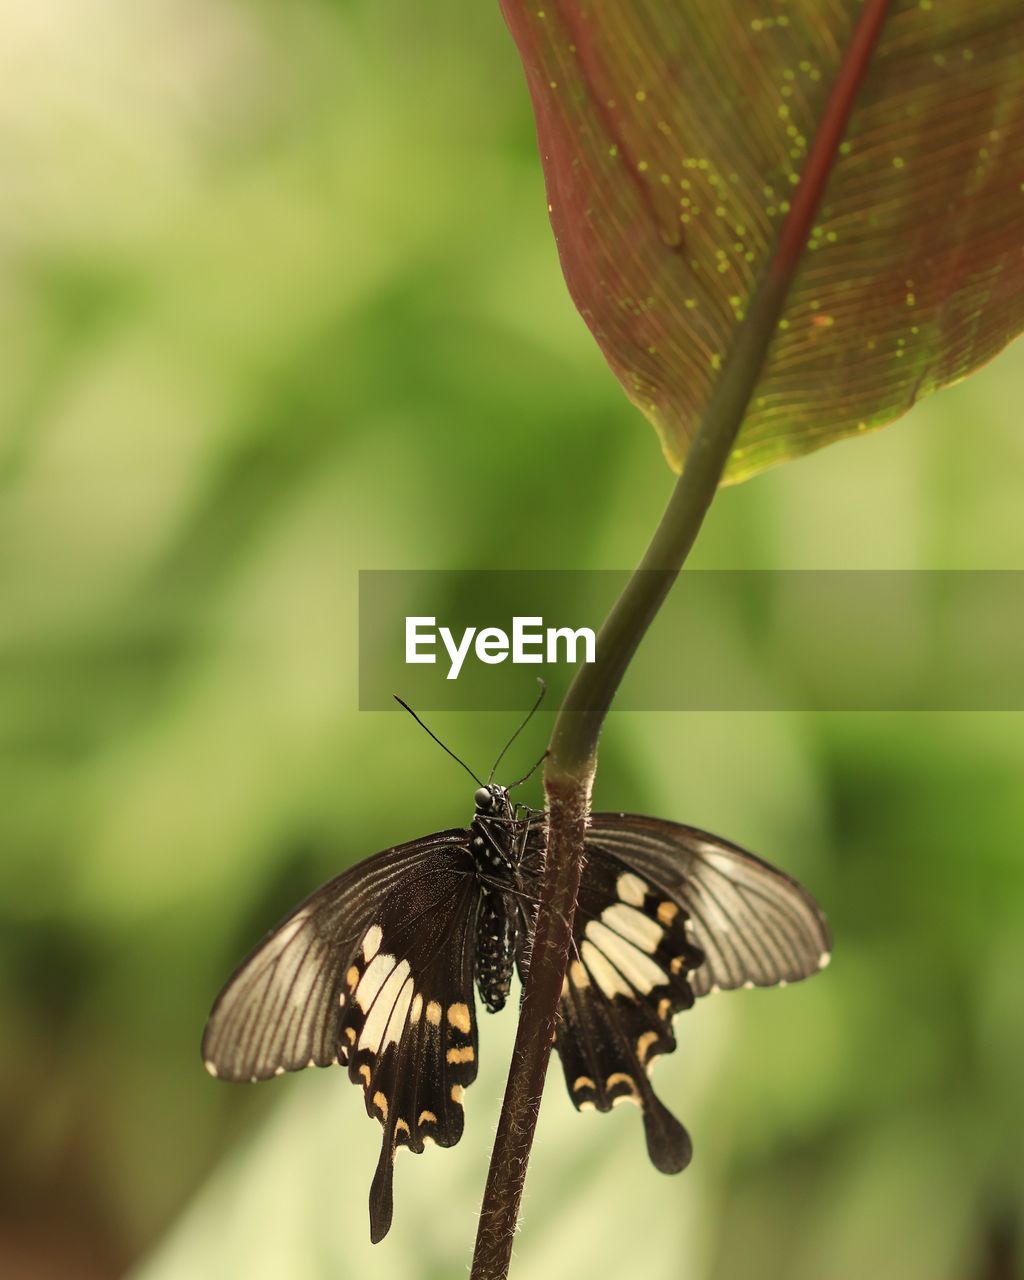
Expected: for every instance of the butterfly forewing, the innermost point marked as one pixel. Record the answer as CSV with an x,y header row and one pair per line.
x,y
755,925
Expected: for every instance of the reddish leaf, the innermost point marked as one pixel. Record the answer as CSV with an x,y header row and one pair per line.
x,y
673,133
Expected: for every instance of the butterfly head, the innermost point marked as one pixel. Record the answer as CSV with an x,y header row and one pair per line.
x,y
491,800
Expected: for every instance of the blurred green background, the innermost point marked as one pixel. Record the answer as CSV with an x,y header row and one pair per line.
x,y
280,302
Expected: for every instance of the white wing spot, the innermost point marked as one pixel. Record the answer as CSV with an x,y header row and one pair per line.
x,y
631,889
607,978
373,979
371,943
396,1022
823,959
458,1016
634,926
637,968
374,1029
211,1067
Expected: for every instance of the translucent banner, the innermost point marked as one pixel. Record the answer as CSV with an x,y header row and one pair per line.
x,y
725,640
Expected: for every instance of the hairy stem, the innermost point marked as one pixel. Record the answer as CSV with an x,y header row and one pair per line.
x,y
572,763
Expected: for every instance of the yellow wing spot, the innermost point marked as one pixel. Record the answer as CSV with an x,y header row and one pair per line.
x,y
565,986
365,1072
664,1008
417,1008
582,1082
352,977
427,1117
667,912
578,975
458,1016
620,1077
465,1054
381,1103
644,1044
350,1032
677,964
401,1126
434,1013
458,1093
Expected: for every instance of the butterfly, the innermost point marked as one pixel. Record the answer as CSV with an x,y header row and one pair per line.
x,y
375,971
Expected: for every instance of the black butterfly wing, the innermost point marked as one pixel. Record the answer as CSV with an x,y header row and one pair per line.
x,y
375,971
628,976
667,913
756,926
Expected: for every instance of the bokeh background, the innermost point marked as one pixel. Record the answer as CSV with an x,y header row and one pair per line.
x,y
279,302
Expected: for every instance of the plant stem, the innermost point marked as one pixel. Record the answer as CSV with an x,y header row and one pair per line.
x,y
572,762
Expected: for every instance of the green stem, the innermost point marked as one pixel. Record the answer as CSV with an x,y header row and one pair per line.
x,y
572,762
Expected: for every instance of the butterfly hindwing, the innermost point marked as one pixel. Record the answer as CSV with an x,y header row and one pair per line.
x,y
374,970
628,976
409,1033
667,913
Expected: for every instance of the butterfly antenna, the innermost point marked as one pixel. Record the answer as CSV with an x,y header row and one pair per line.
x,y
529,717
465,766
526,776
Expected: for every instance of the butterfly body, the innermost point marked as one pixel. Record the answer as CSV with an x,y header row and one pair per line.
x,y
375,971
507,844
